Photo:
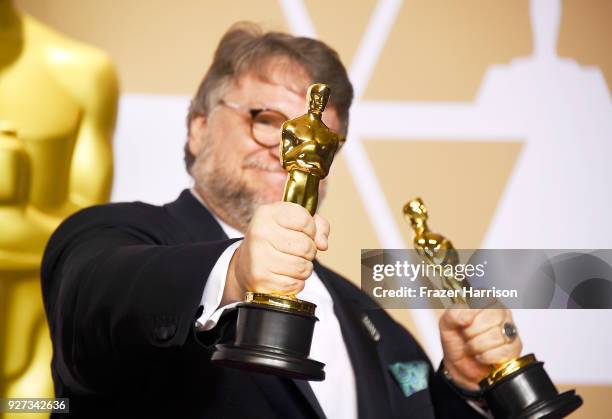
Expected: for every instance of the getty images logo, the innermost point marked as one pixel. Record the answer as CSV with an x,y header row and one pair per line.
x,y
412,271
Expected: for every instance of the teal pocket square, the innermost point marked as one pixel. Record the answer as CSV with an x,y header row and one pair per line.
x,y
411,376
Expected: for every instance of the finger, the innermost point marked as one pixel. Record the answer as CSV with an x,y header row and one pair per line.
x,y
489,339
278,284
484,321
322,234
295,217
294,243
501,354
456,318
288,265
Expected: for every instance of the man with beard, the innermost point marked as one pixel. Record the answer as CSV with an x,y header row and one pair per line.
x,y
137,295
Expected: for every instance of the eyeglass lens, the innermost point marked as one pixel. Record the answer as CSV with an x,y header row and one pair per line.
x,y
267,126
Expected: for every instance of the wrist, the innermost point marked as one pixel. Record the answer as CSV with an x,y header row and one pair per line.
x,y
460,387
233,291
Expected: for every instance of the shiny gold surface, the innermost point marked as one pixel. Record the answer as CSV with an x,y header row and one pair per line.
x,y
284,302
58,103
434,248
437,249
307,150
503,370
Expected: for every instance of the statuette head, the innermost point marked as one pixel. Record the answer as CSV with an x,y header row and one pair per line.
x,y
415,210
318,95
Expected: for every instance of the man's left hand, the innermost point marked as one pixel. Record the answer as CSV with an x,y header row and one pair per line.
x,y
472,340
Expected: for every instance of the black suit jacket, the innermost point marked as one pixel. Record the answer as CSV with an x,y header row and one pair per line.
x,y
122,285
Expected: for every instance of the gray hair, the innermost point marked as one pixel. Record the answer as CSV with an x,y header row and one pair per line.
x,y
245,47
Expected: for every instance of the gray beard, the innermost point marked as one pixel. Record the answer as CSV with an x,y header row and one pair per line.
x,y
226,194
224,191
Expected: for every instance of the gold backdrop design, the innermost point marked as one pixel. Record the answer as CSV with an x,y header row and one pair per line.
x,y
436,51
159,46
440,49
345,40
451,175
585,34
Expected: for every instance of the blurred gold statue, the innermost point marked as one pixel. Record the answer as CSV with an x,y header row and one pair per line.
x,y
307,150
434,248
58,104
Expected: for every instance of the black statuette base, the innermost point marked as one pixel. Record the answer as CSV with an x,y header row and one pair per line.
x,y
271,341
529,393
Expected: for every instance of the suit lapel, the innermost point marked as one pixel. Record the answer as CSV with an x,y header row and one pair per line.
x,y
372,393
199,225
195,219
309,395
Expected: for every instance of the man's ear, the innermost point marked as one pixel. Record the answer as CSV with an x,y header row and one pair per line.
x,y
331,119
197,132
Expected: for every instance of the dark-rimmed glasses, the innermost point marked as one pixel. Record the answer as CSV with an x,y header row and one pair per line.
x,y
265,123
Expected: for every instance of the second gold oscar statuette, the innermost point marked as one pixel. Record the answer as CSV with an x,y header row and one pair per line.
x,y
518,388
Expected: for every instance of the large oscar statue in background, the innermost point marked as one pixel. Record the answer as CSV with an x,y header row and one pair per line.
x,y
58,103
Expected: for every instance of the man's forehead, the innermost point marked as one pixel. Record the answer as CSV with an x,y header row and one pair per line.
x,y
291,80
282,78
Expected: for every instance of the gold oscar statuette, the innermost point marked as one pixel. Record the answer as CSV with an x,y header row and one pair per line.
x,y
434,249
274,331
518,388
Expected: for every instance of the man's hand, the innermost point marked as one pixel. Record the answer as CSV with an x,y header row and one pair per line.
x,y
473,340
276,255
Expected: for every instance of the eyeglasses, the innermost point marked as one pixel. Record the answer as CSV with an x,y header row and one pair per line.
x,y
266,123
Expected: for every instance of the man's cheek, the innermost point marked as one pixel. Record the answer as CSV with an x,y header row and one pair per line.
x,y
274,192
322,190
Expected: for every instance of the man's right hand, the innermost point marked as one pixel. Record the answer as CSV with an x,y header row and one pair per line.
x,y
276,255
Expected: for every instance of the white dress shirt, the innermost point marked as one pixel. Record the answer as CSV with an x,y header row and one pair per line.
x,y
337,394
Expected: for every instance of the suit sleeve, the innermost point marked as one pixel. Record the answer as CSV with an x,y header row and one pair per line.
x,y
447,403
117,297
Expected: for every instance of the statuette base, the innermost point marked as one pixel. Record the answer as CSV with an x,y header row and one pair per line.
x,y
528,392
272,340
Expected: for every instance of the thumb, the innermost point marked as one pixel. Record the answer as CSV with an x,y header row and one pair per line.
x,y
322,234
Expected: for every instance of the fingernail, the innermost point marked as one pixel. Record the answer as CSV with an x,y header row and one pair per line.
x,y
323,241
